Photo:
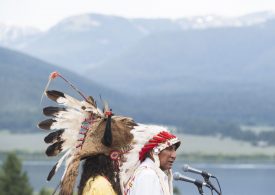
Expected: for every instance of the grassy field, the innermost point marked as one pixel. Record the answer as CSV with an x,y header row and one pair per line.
x,y
190,145
23,142
257,129
221,146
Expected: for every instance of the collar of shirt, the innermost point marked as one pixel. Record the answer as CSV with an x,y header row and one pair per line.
x,y
150,163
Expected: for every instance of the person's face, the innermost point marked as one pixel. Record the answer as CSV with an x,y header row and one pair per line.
x,y
167,157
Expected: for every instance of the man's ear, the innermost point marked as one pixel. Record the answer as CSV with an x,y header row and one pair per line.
x,y
151,155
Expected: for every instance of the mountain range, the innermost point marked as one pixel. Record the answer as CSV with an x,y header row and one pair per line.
x,y
89,40
194,60
208,79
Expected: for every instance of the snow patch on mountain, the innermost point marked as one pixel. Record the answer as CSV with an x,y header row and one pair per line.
x,y
10,33
80,23
214,21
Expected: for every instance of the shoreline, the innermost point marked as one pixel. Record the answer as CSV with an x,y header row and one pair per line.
x,y
223,158
190,157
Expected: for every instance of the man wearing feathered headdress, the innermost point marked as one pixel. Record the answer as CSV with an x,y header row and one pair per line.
x,y
156,151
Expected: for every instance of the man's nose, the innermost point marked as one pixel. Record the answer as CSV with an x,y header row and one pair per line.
x,y
173,154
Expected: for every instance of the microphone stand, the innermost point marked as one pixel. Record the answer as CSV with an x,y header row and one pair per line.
x,y
206,179
200,190
199,186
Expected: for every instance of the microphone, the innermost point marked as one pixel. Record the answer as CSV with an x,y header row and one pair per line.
x,y
187,168
199,183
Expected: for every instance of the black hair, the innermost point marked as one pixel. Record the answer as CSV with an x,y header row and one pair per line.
x,y
99,164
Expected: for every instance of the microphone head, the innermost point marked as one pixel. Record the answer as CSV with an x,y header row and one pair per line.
x,y
185,168
176,176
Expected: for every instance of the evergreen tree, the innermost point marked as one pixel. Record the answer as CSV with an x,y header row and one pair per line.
x,y
13,181
45,191
176,190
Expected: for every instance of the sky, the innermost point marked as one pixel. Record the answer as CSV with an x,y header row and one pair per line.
x,y
45,13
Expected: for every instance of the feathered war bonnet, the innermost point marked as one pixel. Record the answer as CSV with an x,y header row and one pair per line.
x,y
146,138
79,130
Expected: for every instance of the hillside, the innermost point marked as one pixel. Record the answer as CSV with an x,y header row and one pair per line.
x,y
222,74
206,81
195,59
23,79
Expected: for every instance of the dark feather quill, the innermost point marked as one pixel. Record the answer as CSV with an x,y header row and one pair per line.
x,y
52,172
54,136
54,149
54,95
52,111
91,100
46,124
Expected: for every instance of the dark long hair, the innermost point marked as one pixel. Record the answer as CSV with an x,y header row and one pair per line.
x,y
99,164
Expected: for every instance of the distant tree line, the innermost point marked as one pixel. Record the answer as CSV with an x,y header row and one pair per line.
x,y
226,129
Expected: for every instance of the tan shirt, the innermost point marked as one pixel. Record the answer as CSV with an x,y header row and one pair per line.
x,y
98,186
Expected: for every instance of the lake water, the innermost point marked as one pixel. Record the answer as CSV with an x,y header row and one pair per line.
x,y
235,179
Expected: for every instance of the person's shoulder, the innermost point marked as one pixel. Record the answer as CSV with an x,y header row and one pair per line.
x,y
146,181
97,181
146,173
98,185
100,180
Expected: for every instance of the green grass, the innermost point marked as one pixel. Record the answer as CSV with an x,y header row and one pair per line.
x,y
257,129
29,142
214,145
32,147
218,158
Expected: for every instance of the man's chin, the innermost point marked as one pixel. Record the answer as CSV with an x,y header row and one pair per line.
x,y
170,166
